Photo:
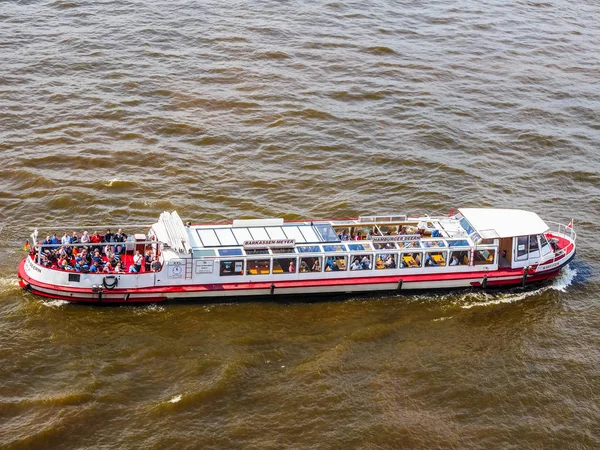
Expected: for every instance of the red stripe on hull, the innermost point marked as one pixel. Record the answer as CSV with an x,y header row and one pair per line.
x,y
158,293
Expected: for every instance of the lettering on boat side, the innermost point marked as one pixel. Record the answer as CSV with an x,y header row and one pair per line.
x,y
270,243
549,266
403,237
31,265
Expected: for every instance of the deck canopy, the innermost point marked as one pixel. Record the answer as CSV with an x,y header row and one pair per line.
x,y
502,223
265,233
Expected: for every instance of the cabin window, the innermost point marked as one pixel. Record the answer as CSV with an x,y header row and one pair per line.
x,y
326,232
410,260
384,245
366,246
435,259
466,225
258,267
311,264
534,247
283,250
386,261
361,262
522,247
334,248
389,229
309,248
256,251
230,252
284,265
336,263
485,256
409,244
231,268
433,244
458,243
545,245
459,258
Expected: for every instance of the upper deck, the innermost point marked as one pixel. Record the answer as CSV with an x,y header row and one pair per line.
x,y
256,236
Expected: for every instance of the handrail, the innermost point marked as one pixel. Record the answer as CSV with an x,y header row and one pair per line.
x,y
566,232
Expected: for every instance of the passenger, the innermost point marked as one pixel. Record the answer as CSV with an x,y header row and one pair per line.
x,y
292,268
133,269
120,236
137,261
403,231
156,265
316,266
108,237
46,241
454,261
54,240
335,266
74,238
148,260
429,261
95,267
358,236
329,264
108,268
66,240
119,268
97,258
85,239
366,263
304,267
96,239
355,264
390,262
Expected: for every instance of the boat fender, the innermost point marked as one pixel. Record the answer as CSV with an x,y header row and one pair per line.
x,y
110,282
484,282
525,272
399,285
272,288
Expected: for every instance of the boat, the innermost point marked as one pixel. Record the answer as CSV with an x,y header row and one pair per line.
x,y
476,248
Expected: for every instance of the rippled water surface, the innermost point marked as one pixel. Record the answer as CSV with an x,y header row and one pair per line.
x,y
111,112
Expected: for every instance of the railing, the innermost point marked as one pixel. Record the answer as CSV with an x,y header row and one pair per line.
x,y
566,232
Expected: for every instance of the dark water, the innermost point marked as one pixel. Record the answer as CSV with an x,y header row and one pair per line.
x,y
115,111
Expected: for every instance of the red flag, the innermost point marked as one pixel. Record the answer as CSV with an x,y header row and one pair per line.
x,y
570,224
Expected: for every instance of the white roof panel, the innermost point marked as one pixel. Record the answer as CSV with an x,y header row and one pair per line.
x,y
242,234
259,234
504,222
294,233
226,236
309,233
276,233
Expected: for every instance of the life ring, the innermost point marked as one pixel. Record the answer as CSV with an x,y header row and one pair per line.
x,y
106,282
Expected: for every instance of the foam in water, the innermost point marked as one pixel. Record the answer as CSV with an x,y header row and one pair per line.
x,y
54,303
175,399
560,283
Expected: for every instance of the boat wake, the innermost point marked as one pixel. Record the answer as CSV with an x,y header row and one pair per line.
x,y
55,303
560,283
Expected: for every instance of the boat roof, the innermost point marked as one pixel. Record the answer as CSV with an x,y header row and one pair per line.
x,y
501,223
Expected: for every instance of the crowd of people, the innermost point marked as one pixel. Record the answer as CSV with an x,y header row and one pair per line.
x,y
95,253
345,235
